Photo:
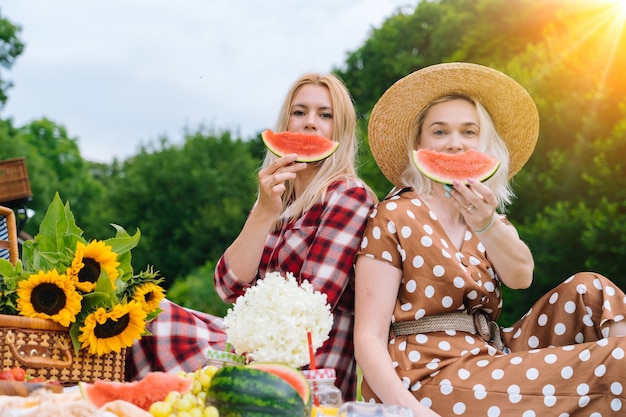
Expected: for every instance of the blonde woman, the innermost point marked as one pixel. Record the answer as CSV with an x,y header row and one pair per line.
x,y
434,258
308,218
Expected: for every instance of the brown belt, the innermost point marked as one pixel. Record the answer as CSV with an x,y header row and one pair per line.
x,y
476,323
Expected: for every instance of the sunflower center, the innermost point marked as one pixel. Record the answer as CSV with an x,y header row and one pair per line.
x,y
112,328
48,298
90,272
148,296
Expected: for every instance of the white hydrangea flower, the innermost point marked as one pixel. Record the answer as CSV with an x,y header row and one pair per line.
x,y
271,320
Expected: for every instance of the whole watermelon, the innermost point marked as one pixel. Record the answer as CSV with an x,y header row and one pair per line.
x,y
243,391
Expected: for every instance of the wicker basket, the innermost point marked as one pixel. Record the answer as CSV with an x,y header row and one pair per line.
x,y
44,348
14,182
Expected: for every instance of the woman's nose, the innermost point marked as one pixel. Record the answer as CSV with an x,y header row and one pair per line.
x,y
455,141
310,123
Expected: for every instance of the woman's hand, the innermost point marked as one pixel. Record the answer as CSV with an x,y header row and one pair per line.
x,y
509,255
476,203
272,182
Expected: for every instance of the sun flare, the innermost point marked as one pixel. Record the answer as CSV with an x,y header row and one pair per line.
x,y
619,9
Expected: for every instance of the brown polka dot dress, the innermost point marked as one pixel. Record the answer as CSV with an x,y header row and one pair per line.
x,y
557,361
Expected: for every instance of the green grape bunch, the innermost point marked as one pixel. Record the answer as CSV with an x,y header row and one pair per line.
x,y
191,403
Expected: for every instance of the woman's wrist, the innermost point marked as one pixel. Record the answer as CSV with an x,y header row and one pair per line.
x,y
488,226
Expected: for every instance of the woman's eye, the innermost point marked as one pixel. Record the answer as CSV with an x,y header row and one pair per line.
x,y
297,113
439,132
326,115
471,133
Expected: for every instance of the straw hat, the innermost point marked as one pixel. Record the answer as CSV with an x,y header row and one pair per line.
x,y
512,110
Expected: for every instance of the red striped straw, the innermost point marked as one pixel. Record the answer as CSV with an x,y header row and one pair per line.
x,y
311,354
316,399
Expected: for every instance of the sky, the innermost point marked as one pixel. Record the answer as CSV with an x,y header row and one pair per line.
x,y
118,74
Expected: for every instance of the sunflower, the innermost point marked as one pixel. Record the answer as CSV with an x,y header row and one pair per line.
x,y
48,295
89,261
105,331
149,295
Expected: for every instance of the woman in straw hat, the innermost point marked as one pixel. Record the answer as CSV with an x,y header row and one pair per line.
x,y
433,258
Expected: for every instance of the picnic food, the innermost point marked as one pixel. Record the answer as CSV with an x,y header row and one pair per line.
x,y
155,386
446,167
191,403
259,390
308,147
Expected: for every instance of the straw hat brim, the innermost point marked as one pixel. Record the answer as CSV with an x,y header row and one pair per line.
x,y
511,108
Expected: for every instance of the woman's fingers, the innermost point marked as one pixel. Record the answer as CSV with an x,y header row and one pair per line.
x,y
474,199
281,170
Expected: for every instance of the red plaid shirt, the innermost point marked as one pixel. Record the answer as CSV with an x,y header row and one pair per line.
x,y
319,247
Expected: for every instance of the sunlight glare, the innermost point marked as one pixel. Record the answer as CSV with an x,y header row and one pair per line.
x,y
620,9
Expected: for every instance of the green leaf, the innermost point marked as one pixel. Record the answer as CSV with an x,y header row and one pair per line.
x,y
123,242
55,243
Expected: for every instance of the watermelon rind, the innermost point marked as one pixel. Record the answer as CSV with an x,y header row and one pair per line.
x,y
238,391
446,168
308,147
293,376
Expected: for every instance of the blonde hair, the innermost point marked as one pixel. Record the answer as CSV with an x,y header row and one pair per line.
x,y
489,142
341,164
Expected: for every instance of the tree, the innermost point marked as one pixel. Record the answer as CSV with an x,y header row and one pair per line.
x,y
189,201
54,165
11,47
197,291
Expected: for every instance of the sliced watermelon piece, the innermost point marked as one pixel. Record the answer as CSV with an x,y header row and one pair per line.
x,y
447,167
152,388
308,147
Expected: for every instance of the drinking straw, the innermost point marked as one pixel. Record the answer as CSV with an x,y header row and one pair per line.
x,y
311,354
316,398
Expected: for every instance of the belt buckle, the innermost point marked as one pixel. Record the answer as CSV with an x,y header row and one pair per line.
x,y
481,323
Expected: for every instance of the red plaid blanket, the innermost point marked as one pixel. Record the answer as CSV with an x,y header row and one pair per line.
x,y
180,340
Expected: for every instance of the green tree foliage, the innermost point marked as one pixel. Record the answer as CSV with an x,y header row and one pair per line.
x,y
188,201
54,164
11,47
197,291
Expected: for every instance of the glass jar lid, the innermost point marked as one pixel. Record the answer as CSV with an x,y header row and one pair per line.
x,y
322,373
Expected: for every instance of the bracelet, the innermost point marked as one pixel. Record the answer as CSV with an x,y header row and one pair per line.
x,y
484,229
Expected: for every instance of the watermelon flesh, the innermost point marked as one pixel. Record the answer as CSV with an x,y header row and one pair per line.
x,y
445,168
152,388
308,147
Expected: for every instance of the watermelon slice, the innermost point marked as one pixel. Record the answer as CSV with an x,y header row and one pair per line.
x,y
308,147
152,388
447,167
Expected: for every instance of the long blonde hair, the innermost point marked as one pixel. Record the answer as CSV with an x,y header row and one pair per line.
x,y
341,164
489,142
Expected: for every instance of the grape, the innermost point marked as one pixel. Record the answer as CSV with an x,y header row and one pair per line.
x,y
191,403
161,409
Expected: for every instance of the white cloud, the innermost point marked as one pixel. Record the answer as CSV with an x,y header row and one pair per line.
x,y
119,73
